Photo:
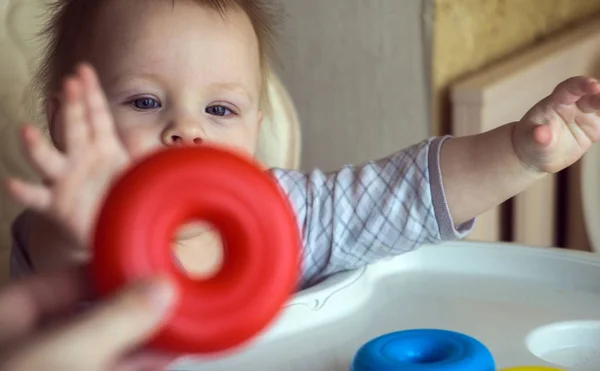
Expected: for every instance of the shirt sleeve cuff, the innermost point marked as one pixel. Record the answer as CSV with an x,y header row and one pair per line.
x,y
448,231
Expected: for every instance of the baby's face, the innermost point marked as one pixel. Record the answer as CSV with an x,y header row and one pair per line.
x,y
177,73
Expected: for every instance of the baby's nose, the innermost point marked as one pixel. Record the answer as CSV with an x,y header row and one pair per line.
x,y
179,135
181,140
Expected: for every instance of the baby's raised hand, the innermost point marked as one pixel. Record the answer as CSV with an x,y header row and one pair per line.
x,y
75,179
558,131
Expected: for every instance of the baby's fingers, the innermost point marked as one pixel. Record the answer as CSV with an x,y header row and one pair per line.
x,y
590,104
73,119
34,196
43,157
572,90
98,112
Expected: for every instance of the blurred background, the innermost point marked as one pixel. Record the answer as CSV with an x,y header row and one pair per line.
x,y
361,79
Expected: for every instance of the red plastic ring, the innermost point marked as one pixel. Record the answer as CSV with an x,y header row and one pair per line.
x,y
260,236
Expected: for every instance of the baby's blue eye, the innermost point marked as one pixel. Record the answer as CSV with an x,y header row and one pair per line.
x,y
146,103
218,110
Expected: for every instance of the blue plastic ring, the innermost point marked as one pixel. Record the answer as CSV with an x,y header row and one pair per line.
x,y
423,350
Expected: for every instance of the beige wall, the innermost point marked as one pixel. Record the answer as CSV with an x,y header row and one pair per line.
x,y
363,73
470,34
358,72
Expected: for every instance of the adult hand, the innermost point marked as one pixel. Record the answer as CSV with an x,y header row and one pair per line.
x,y
39,331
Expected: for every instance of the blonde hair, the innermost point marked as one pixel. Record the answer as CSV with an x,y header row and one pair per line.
x,y
69,27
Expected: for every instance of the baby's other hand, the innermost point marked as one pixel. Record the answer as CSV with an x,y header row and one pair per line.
x,y
558,131
76,179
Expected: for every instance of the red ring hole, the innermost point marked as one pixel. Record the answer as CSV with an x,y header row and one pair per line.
x,y
198,248
261,241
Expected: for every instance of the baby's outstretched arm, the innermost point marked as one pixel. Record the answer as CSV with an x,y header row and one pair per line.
x,y
483,170
432,191
61,211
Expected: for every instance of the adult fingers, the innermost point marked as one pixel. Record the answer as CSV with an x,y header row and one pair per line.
x,y
116,326
25,304
102,337
144,361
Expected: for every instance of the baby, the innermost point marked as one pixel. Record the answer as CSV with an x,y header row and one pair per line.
x,y
186,72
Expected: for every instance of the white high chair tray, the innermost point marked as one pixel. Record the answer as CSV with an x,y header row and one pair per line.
x,y
529,306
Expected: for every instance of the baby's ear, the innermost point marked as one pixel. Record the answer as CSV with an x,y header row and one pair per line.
x,y
52,112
